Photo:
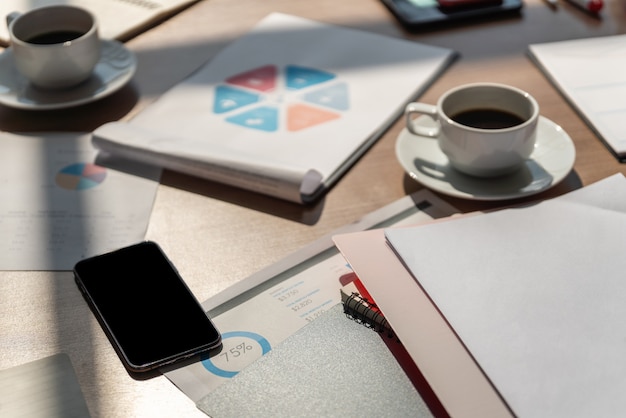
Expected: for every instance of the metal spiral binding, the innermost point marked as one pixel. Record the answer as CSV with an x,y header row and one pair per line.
x,y
366,313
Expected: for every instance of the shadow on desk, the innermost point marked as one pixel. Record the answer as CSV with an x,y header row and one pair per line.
x,y
82,118
305,214
571,182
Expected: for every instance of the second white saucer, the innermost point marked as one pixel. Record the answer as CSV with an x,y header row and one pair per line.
x,y
116,67
552,159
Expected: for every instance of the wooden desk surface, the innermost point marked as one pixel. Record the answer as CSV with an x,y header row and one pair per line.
x,y
217,235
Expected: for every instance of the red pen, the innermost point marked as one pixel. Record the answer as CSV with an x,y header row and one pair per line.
x,y
593,6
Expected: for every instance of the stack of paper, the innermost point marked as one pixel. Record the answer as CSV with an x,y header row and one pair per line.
x,y
516,312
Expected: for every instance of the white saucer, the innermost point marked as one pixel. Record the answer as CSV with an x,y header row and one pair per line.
x,y
116,67
552,159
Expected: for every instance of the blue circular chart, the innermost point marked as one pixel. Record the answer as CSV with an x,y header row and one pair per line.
x,y
239,349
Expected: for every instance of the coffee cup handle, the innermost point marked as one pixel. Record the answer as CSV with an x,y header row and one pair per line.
x,y
426,110
11,17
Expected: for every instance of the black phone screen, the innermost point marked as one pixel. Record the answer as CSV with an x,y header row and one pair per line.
x,y
144,306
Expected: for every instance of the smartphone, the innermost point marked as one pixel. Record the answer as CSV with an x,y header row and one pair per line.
x,y
145,308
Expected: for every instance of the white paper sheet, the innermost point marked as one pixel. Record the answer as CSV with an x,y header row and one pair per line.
x,y
590,74
57,206
537,296
43,388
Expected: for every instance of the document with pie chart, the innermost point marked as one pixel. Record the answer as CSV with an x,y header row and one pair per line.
x,y
58,205
284,110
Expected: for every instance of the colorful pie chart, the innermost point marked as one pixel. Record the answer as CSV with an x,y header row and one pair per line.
x,y
319,98
80,176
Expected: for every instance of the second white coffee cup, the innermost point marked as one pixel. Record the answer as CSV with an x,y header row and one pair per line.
x,y
54,47
485,129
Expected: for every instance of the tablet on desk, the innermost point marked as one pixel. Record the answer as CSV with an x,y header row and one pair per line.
x,y
419,14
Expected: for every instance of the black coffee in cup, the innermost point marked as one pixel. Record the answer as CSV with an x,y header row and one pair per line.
x,y
487,118
54,47
54,37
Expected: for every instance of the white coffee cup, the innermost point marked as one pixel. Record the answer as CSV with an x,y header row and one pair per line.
x,y
54,47
485,129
